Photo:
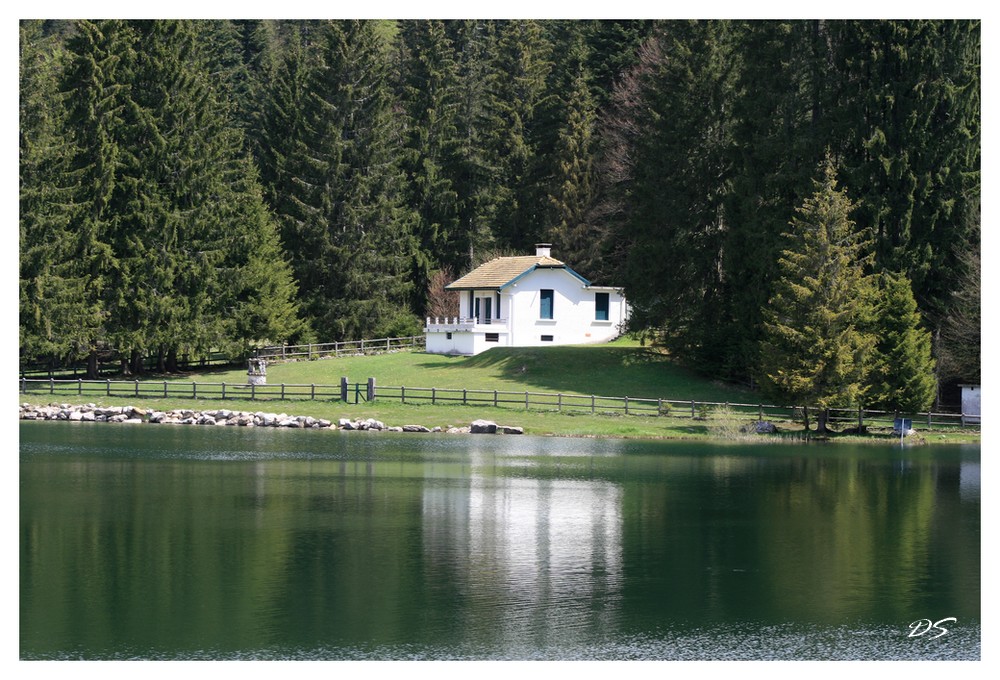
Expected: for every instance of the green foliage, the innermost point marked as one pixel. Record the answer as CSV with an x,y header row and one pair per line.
x,y
664,156
902,375
816,347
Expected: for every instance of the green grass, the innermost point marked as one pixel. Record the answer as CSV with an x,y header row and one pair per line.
x,y
619,369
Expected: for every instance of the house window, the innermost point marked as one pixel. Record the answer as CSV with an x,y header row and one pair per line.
x,y
601,304
546,338
448,335
546,307
492,337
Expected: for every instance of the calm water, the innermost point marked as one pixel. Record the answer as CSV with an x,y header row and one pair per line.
x,y
223,543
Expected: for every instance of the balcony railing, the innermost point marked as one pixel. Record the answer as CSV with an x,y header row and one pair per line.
x,y
452,324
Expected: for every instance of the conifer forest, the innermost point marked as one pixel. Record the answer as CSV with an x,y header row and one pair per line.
x,y
793,204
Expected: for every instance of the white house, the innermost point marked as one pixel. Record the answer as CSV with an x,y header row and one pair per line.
x,y
528,301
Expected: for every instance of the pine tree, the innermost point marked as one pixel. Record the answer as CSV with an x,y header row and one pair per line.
x,y
477,177
571,188
903,372
906,116
816,349
523,64
100,56
51,294
430,93
669,183
777,139
346,226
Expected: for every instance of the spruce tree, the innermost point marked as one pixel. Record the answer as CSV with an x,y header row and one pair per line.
x,y
95,85
52,294
429,92
816,347
346,226
571,191
902,377
906,117
670,171
522,64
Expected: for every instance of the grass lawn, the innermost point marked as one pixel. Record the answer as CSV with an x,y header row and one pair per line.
x,y
618,369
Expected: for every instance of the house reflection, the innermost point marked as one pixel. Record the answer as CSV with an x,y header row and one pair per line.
x,y
537,558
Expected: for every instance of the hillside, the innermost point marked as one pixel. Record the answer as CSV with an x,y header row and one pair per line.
x,y
618,369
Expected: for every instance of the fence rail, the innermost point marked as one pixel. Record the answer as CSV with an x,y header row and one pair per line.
x,y
355,392
345,348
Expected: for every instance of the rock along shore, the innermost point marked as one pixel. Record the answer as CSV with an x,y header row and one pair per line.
x,y
226,417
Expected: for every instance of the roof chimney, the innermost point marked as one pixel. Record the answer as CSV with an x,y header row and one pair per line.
x,y
543,250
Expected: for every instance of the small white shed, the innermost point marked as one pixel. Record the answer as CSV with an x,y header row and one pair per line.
x,y
970,403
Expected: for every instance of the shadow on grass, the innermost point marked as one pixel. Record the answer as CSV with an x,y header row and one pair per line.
x,y
604,370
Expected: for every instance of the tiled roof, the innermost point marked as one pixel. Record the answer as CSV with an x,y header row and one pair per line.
x,y
501,271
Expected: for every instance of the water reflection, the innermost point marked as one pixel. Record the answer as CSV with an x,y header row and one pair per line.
x,y
538,559
210,543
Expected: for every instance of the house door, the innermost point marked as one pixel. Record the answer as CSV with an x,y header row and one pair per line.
x,y
484,309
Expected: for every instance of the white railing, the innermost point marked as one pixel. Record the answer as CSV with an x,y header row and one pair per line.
x,y
457,323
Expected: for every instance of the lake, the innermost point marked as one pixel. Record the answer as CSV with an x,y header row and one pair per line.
x,y
174,542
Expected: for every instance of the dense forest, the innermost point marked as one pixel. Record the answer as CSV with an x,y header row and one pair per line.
x,y
196,185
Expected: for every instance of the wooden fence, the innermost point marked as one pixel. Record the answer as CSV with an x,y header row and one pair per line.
x,y
348,392
110,361
345,348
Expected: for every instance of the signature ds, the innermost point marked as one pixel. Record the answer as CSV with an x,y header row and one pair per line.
x,y
922,627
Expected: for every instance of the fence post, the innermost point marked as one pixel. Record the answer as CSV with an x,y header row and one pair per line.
x,y
692,408
137,388
464,396
861,418
312,391
433,395
343,388
371,389
928,419
526,401
108,380
760,411
194,389
309,351
362,346
79,386
24,386
253,391
164,389
626,405
282,391
592,402
559,402
494,398
402,394
52,386
223,391
388,346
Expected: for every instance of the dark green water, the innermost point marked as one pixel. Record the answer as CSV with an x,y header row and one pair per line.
x,y
160,542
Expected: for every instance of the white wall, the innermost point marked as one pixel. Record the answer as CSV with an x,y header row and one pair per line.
x,y
573,320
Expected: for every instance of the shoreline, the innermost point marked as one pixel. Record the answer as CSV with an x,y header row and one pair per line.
x,y
542,424
132,415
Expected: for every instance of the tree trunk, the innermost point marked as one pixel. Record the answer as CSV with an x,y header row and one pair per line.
x,y
172,360
137,367
161,365
821,419
805,417
92,365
